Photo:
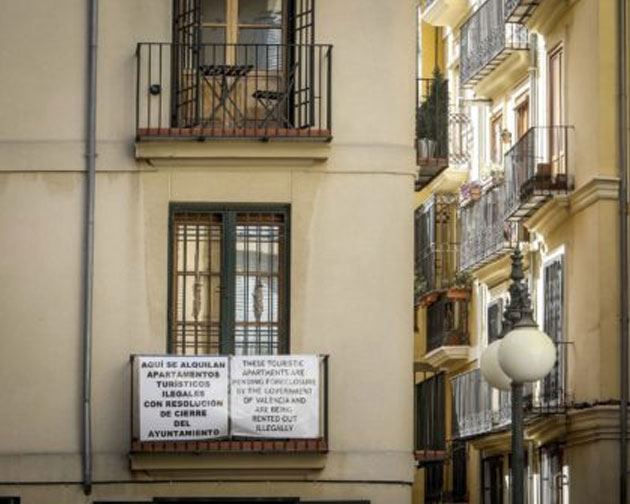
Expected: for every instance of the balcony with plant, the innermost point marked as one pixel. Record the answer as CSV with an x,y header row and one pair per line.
x,y
443,130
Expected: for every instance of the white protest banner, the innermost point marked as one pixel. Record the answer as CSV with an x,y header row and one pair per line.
x,y
275,396
183,398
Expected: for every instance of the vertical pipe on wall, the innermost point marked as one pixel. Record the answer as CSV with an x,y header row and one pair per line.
x,y
86,410
623,249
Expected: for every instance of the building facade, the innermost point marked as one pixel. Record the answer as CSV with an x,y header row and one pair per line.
x,y
252,197
517,146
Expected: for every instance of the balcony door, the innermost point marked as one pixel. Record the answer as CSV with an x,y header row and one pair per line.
x,y
242,63
556,111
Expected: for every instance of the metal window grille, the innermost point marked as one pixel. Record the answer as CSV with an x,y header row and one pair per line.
x,y
433,482
228,282
460,485
553,385
430,414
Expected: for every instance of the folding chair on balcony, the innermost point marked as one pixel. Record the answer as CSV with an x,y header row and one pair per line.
x,y
276,102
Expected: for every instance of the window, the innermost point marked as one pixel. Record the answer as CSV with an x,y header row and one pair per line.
x,y
553,324
556,110
521,115
492,471
433,482
553,480
496,142
430,414
495,320
460,486
229,280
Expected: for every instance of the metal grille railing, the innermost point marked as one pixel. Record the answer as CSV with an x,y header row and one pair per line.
x,y
484,233
486,40
518,11
234,90
443,130
535,169
447,323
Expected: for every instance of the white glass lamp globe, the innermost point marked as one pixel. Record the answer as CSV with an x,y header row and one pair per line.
x,y
527,354
491,369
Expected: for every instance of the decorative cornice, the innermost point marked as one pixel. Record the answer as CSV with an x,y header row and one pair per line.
x,y
498,271
545,17
596,189
550,216
446,182
493,442
446,357
504,76
545,429
555,211
171,153
589,425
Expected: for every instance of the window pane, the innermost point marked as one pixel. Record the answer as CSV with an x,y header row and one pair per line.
x,y
258,285
266,55
213,11
196,284
213,48
267,12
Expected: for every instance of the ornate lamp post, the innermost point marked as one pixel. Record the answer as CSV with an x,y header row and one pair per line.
x,y
523,354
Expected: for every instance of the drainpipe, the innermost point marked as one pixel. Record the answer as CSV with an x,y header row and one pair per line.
x,y
533,85
86,416
623,249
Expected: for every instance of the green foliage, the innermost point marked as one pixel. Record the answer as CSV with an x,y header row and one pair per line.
x,y
432,117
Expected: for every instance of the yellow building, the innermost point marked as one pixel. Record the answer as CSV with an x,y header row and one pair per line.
x,y
254,171
517,144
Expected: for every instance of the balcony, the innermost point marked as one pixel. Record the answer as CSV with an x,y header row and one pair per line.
x,y
447,323
484,233
443,130
436,256
479,409
487,40
536,170
234,91
443,12
519,11
229,405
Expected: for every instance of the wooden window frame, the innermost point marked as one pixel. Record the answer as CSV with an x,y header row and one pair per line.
x,y
228,271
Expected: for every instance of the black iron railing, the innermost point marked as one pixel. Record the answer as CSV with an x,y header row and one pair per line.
x,y
234,90
436,250
486,40
536,169
447,323
484,233
518,11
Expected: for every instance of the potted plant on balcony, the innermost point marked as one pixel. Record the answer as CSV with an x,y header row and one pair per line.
x,y
494,174
462,284
431,119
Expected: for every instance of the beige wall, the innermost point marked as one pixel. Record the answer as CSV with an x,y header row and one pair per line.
x,y
351,259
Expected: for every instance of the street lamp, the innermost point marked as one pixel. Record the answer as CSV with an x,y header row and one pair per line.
x,y
523,354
